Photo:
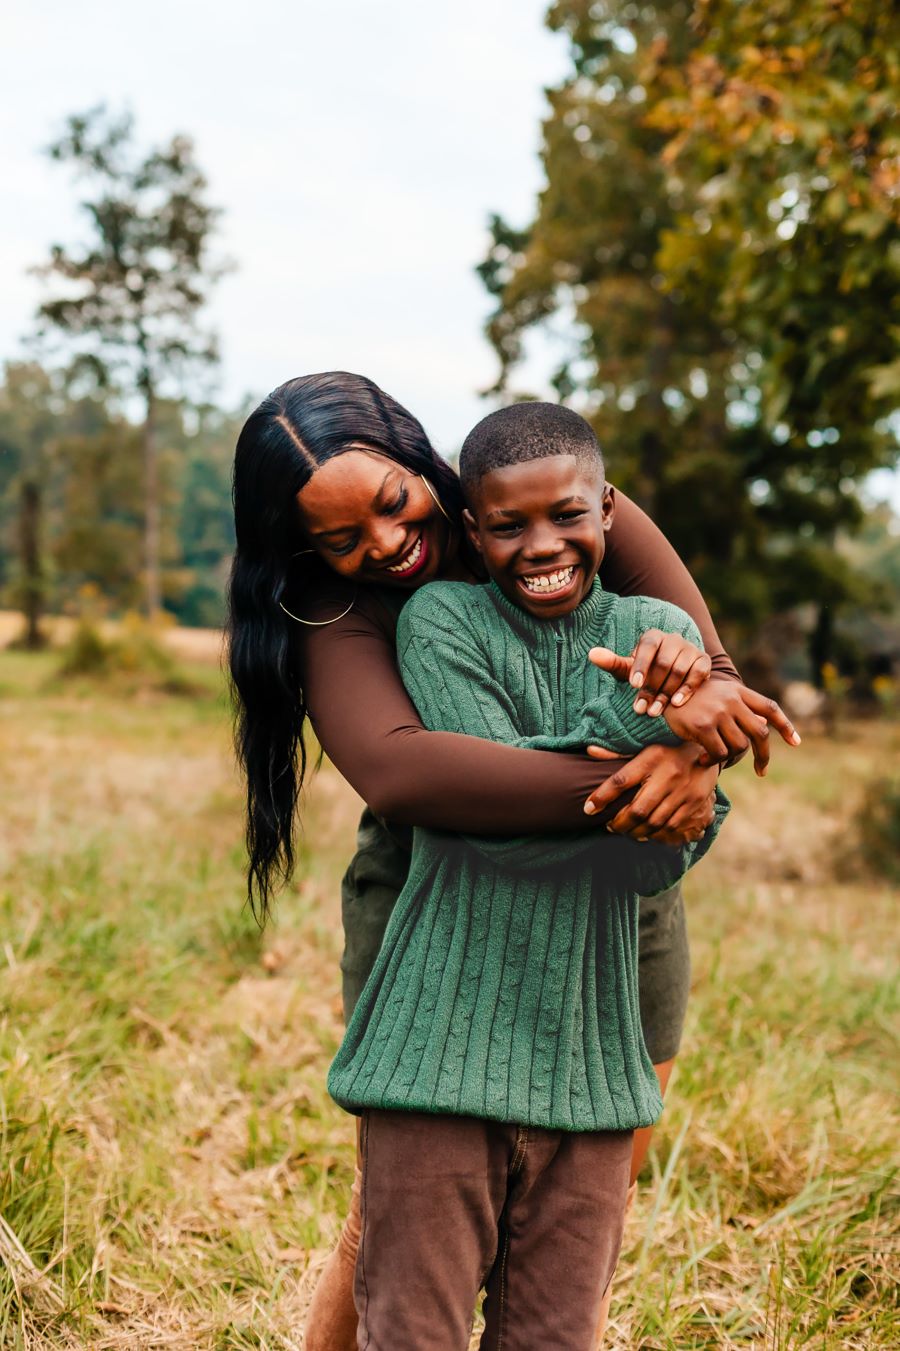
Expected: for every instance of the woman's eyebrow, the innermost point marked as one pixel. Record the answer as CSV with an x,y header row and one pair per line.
x,y
378,495
343,529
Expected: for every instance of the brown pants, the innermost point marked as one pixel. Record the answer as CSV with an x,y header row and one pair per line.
x,y
451,1204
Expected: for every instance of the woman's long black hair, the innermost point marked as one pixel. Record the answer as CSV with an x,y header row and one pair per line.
x,y
296,429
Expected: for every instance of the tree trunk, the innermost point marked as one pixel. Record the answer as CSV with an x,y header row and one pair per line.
x,y
152,589
820,644
30,558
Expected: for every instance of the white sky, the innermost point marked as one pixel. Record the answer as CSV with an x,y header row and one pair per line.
x,y
356,146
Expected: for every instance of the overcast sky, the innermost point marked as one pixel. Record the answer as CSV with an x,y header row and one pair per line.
x,y
356,146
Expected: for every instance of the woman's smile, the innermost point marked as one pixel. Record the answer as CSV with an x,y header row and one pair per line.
x,y
413,561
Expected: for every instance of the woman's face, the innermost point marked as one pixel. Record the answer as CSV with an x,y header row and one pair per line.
x,y
372,520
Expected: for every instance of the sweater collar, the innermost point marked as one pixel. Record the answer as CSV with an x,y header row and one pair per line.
x,y
588,619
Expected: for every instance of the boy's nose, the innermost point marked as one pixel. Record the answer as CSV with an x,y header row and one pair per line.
x,y
542,542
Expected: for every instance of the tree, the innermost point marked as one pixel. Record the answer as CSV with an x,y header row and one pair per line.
x,y
677,386
655,374
784,119
31,405
132,293
205,523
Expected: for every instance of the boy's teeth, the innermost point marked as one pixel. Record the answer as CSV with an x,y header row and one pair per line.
x,y
410,560
550,581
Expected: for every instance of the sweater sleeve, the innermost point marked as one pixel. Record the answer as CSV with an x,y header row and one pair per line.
x,y
447,671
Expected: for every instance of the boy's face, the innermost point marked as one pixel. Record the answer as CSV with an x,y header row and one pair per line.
x,y
541,529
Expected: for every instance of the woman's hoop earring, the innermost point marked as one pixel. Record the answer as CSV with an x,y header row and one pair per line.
x,y
317,623
437,501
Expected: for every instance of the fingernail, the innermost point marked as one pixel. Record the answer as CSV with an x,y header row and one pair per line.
x,y
655,708
796,738
636,679
640,705
589,809
678,698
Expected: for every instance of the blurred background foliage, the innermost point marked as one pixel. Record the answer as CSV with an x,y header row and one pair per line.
x,y
715,257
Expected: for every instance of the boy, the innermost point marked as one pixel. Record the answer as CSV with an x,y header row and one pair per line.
x,y
496,1053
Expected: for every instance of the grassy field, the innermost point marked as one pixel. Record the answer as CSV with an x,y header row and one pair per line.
x,y
172,1172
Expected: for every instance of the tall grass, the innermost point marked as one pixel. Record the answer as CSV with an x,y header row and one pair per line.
x,y
171,1169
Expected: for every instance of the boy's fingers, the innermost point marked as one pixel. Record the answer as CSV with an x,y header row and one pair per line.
x,y
601,753
673,661
644,656
696,676
610,661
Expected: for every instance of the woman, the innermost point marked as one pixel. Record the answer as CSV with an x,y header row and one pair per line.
x,y
342,509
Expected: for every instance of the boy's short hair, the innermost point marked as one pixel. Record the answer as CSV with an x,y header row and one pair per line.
x,y
526,431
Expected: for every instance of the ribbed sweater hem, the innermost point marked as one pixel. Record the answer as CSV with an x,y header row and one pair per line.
x,y
629,1116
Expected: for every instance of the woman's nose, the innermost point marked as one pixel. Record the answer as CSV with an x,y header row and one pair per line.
x,y
385,541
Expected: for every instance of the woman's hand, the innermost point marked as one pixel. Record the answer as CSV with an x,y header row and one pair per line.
x,y
674,799
726,717
663,666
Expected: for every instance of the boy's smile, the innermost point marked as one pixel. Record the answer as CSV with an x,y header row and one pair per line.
x,y
540,527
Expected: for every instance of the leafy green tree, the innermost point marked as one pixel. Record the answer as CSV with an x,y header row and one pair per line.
x,y
97,534
652,370
677,388
783,118
131,294
205,518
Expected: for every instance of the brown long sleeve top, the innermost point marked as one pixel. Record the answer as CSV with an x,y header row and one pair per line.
x,y
369,729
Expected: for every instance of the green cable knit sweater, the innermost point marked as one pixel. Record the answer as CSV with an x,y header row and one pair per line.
x,y
506,985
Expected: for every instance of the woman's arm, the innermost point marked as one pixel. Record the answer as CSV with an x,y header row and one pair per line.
x,y
449,676
722,715
640,561
369,729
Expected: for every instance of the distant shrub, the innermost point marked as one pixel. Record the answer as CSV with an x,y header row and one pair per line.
x,y
135,658
86,652
878,827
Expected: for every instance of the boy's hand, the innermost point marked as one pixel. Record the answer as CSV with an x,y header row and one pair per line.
x,y
726,717
663,666
674,799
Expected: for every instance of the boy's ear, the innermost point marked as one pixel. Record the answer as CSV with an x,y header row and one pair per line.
x,y
608,506
471,529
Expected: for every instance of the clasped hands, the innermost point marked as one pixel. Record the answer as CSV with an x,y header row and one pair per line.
x,y
672,788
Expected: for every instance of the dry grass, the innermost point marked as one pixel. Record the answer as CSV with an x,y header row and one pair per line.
x,y
172,1172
